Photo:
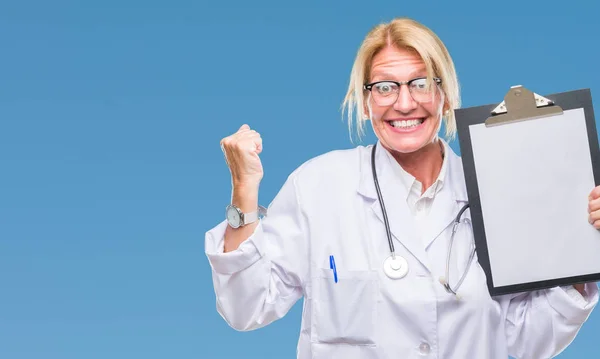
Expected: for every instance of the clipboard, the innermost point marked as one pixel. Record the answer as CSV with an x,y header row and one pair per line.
x,y
530,163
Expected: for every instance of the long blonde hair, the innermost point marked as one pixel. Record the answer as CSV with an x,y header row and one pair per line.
x,y
403,33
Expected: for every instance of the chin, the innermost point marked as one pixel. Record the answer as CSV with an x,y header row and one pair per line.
x,y
407,146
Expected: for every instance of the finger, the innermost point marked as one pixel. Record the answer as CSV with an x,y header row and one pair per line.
x,y
243,146
242,141
253,145
237,138
597,224
594,205
243,136
594,216
223,141
247,134
595,194
224,144
259,146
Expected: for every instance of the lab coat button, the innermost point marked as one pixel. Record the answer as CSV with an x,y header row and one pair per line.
x,y
424,348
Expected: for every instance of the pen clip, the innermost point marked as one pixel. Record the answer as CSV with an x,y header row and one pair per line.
x,y
332,266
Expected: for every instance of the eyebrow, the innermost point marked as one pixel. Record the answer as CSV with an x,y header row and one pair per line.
x,y
388,76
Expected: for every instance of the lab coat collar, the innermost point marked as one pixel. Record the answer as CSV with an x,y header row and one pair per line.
x,y
411,183
444,210
453,175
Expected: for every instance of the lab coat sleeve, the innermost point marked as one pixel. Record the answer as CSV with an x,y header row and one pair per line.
x,y
263,278
541,324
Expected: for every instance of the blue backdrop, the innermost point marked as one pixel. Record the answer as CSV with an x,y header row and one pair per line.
x,y
111,113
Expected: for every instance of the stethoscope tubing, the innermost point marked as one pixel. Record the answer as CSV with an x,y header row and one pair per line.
x,y
380,197
389,234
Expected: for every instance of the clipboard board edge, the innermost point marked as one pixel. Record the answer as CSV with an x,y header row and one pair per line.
x,y
568,100
544,284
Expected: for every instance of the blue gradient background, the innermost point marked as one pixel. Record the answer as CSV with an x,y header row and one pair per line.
x,y
111,114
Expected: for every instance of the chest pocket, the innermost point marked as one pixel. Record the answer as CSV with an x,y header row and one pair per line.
x,y
345,312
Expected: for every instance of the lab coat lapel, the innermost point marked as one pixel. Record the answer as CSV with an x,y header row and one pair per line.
x,y
442,214
400,219
449,200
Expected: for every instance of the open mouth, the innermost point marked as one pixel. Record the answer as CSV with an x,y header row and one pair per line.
x,y
406,125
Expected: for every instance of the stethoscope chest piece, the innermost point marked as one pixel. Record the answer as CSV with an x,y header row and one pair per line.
x,y
395,268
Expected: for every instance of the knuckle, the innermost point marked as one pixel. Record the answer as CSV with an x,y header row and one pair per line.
x,y
239,145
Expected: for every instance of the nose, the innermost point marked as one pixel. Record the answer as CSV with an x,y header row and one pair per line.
x,y
405,102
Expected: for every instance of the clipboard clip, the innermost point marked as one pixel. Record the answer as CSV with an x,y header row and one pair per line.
x,y
520,104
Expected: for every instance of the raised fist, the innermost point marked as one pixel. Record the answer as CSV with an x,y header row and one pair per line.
x,y
241,151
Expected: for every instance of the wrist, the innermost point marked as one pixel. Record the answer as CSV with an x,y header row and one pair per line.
x,y
245,197
580,288
241,185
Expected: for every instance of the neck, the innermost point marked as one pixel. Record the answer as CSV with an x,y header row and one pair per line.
x,y
425,164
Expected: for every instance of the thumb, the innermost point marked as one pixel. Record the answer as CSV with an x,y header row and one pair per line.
x,y
244,127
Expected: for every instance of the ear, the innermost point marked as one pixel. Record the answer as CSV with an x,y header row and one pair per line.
x,y
366,108
445,109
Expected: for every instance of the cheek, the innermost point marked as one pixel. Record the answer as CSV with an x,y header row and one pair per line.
x,y
434,110
379,112
377,124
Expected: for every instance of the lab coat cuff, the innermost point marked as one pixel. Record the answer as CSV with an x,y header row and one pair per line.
x,y
571,304
575,295
248,252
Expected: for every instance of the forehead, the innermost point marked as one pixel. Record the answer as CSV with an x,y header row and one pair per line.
x,y
400,64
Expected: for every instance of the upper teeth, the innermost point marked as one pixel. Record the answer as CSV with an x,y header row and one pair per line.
x,y
406,123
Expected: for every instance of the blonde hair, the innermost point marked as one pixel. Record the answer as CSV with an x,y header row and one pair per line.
x,y
402,33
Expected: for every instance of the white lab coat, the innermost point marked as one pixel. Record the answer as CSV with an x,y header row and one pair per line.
x,y
329,206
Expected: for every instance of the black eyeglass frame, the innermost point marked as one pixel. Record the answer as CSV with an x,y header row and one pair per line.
x,y
369,86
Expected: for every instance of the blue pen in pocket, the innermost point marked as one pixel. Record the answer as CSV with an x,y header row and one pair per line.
x,y
332,266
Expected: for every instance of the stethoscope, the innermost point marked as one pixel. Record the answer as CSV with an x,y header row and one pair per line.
x,y
396,267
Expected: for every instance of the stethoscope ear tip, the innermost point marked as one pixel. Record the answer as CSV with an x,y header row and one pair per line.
x,y
444,282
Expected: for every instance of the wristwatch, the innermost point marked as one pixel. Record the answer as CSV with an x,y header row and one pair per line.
x,y
236,218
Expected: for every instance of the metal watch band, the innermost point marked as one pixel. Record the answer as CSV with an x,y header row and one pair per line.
x,y
253,216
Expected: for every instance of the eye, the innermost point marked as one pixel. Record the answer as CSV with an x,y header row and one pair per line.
x,y
386,88
419,84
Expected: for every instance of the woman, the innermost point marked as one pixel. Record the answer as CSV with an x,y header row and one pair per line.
x,y
324,236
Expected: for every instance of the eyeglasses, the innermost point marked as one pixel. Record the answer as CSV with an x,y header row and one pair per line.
x,y
386,92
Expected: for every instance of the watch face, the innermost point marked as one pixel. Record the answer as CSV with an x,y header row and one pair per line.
x,y
233,217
